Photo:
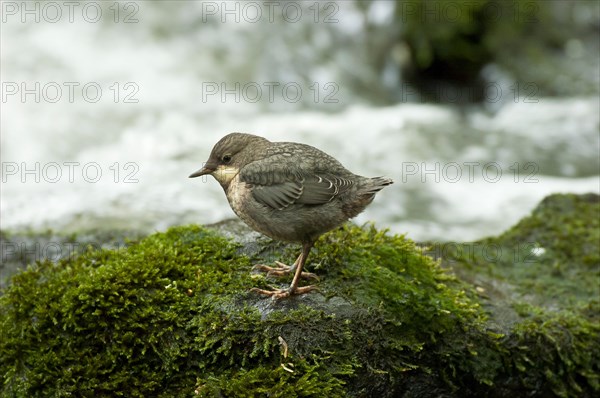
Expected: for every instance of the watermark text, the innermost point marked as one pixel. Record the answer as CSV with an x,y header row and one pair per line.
x,y
70,11
54,172
270,11
454,172
253,92
53,92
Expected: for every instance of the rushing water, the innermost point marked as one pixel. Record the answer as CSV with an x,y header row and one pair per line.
x,y
119,114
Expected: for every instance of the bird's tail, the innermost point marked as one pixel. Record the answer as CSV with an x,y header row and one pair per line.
x,y
376,184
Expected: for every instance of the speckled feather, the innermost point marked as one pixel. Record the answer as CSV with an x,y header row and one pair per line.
x,y
291,191
292,173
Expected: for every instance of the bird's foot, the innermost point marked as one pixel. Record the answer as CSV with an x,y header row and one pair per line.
x,y
277,294
281,269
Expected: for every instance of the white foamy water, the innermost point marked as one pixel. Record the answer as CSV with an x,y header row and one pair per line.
x,y
459,175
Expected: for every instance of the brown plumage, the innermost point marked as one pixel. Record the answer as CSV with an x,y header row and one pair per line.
x,y
288,191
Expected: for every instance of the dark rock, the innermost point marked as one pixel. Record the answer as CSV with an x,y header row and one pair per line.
x,y
172,315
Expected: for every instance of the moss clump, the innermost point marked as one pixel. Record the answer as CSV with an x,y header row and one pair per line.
x,y
109,322
550,258
540,280
172,316
557,353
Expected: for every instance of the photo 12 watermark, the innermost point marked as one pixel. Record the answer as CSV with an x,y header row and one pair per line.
x,y
69,11
489,252
270,11
454,172
71,172
33,251
269,92
490,92
464,252
441,11
71,92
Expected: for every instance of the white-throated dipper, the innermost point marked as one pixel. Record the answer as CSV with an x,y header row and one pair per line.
x,y
288,191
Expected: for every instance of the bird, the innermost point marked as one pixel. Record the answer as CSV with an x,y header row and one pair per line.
x,y
289,192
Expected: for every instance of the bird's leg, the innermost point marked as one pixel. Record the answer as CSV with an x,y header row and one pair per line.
x,y
281,269
293,289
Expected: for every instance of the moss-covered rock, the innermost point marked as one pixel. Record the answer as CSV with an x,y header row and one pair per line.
x,y
540,282
172,315
17,250
550,259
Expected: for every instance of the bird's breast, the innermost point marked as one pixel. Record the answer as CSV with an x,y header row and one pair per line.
x,y
237,193
240,199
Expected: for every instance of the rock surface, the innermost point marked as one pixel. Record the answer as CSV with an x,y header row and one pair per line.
x,y
171,315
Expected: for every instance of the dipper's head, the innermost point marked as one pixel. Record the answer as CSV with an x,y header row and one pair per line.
x,y
229,155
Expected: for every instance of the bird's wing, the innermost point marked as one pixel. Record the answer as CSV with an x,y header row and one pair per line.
x,y
280,184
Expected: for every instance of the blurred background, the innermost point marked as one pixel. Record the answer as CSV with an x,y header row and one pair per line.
x,y
477,109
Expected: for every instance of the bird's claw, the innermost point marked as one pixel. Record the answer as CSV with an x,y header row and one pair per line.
x,y
282,269
277,294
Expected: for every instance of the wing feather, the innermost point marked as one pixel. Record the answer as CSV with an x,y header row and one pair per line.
x,y
279,182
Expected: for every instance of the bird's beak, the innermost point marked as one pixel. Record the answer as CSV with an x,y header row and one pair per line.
x,y
203,171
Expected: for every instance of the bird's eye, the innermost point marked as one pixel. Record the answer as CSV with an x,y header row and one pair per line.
x,y
226,158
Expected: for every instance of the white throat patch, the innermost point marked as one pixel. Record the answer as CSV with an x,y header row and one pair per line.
x,y
224,174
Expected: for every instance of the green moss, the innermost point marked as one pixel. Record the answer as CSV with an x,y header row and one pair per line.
x,y
172,315
557,353
26,247
540,281
550,258
108,321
